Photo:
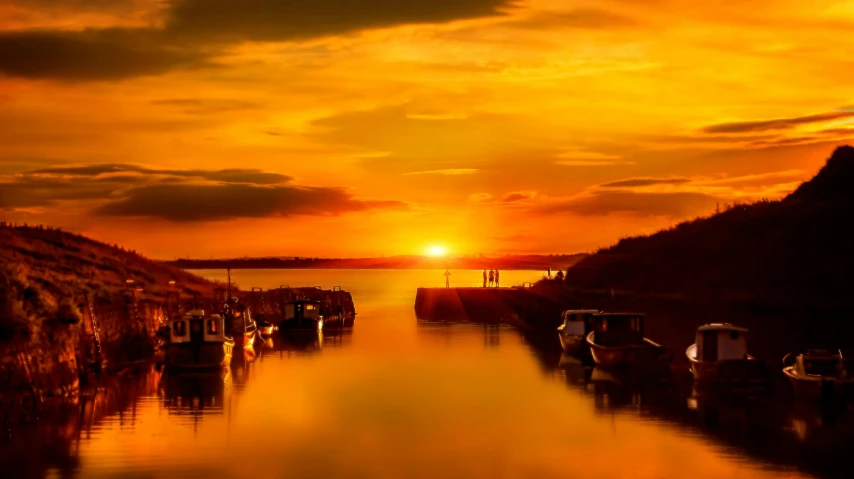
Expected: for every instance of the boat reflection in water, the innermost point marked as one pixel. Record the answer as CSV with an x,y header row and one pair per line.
x,y
195,395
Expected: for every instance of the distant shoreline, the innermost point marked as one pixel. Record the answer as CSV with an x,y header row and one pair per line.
x,y
510,262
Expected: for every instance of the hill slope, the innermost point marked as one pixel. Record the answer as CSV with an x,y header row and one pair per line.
x,y
794,251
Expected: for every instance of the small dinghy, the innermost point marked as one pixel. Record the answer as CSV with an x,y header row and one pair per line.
x,y
577,324
819,374
719,358
617,340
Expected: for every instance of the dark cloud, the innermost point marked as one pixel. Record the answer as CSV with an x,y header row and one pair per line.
x,y
190,203
776,124
105,54
177,195
675,205
636,182
195,31
517,196
272,20
234,175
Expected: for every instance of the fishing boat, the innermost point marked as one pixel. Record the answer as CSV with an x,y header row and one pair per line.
x,y
303,315
719,357
576,325
617,340
197,341
239,323
819,374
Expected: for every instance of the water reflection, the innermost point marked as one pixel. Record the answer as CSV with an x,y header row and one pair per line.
x,y
195,395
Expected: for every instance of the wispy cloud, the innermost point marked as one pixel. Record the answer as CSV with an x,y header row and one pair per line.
x,y
446,172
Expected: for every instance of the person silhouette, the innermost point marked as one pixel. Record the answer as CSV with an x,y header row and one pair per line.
x,y
447,279
484,278
550,272
491,277
559,275
497,278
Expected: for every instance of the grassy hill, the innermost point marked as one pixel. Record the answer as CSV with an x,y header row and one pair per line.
x,y
794,251
43,270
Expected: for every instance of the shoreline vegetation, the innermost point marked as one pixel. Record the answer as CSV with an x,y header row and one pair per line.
x,y
531,262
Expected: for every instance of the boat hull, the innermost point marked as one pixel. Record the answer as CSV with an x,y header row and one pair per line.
x,y
739,373
572,343
643,355
305,324
818,388
198,356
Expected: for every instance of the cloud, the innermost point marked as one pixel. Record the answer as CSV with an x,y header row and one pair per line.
x,y
105,54
777,123
177,195
634,182
592,163
195,31
577,18
598,203
192,203
234,175
205,106
278,20
445,172
517,196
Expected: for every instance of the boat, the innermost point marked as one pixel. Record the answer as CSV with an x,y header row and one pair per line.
x,y
617,340
303,315
719,357
265,328
819,374
197,341
577,324
239,323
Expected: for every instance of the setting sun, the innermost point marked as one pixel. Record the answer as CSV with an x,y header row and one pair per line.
x,y
436,251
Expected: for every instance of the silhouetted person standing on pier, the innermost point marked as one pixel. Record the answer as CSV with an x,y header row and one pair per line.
x,y
491,277
484,278
559,275
447,279
497,277
550,272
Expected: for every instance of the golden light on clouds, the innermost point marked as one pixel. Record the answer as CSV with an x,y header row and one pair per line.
x,y
495,123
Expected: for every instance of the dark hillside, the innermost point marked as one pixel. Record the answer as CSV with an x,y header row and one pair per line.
x,y
797,251
57,288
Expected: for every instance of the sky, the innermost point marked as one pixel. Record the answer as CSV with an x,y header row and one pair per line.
x,y
211,128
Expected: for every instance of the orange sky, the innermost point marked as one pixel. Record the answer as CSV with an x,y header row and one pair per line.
x,y
211,127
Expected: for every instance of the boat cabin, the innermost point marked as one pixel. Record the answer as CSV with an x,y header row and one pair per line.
x,y
613,329
721,342
577,322
302,310
195,327
822,363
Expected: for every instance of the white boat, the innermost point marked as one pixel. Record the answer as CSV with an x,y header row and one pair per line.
x,y
576,325
818,374
197,341
719,357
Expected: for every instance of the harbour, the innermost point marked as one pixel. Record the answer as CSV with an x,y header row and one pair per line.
x,y
396,396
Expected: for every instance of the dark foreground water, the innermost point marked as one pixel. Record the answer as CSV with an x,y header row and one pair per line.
x,y
397,398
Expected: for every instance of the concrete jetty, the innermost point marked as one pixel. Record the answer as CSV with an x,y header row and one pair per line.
x,y
522,307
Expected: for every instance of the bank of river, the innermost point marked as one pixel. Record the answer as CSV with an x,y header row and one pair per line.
x,y
396,397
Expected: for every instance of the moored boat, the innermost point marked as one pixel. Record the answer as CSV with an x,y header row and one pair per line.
x,y
239,323
302,314
719,357
819,374
197,341
577,324
617,340
265,328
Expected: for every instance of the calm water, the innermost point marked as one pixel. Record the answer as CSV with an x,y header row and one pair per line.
x,y
398,398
